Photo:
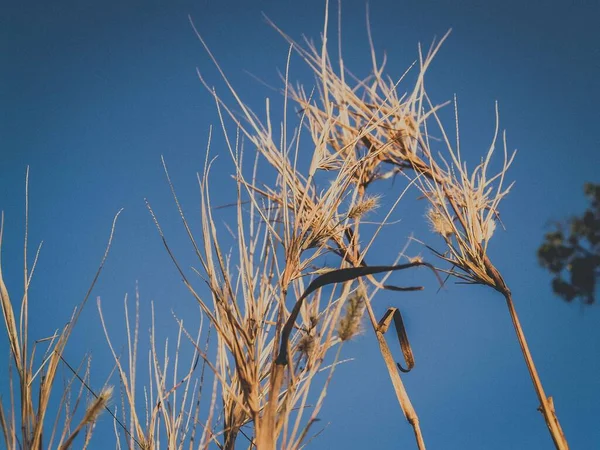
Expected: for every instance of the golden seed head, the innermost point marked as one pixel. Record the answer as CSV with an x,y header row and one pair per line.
x,y
349,325
97,406
366,205
306,344
439,222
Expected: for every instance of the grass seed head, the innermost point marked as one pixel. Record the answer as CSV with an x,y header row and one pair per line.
x,y
306,345
366,205
439,222
349,325
98,405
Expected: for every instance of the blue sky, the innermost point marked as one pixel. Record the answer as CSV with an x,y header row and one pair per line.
x,y
93,93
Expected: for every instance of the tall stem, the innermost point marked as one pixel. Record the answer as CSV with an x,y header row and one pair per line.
x,y
546,403
400,390
401,393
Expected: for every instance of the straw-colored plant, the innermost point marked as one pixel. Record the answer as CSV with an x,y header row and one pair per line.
x,y
171,413
24,422
172,400
268,356
353,117
279,309
275,330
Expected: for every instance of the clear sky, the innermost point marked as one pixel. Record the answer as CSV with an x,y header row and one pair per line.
x,y
92,93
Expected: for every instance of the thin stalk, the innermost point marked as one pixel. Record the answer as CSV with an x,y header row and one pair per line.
x,y
400,390
401,393
266,433
267,424
546,403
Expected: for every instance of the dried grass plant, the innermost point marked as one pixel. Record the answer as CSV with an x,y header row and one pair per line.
x,y
268,356
23,422
170,413
171,401
274,329
279,310
352,117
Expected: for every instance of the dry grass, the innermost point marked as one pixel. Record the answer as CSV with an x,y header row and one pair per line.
x,y
171,400
23,424
270,354
277,333
353,117
171,413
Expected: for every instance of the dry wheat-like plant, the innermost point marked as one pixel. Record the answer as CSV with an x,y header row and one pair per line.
x,y
278,333
267,355
274,330
172,398
352,117
23,422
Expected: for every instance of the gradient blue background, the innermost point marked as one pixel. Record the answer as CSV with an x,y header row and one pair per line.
x,y
92,93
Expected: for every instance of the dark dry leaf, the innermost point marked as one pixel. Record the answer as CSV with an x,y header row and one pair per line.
x,y
335,276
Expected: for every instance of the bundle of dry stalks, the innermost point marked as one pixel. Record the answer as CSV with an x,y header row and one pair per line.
x,y
277,333
273,330
23,425
268,355
353,117
170,412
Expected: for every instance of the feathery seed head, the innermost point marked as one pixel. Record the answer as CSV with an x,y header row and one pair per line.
x,y
439,222
306,344
98,405
366,205
349,325
490,227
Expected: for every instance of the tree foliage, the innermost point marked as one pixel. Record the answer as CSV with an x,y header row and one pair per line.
x,y
571,252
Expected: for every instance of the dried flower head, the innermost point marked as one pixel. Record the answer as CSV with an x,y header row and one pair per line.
x,y
366,205
306,345
349,325
91,415
439,222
